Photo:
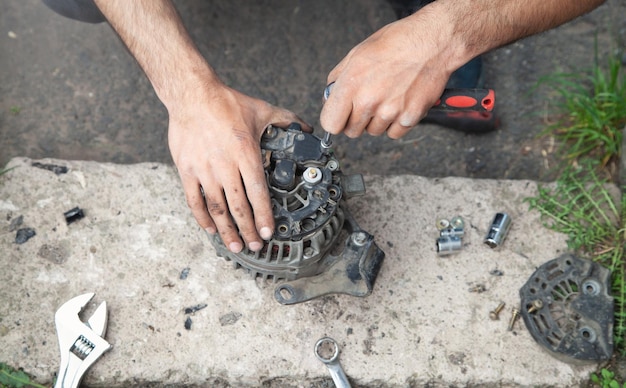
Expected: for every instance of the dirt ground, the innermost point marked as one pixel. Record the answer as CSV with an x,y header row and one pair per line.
x,y
70,90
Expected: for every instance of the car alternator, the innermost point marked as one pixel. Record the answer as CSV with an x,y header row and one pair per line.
x,y
317,247
568,309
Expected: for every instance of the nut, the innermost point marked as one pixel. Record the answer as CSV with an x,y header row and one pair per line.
x,y
443,224
457,222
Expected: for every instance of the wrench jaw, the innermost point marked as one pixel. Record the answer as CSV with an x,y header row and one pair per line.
x,y
98,321
81,344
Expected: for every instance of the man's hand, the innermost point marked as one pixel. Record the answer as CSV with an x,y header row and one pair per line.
x,y
214,141
389,81
214,131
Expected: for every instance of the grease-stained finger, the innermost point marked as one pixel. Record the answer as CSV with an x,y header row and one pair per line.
x,y
218,210
197,205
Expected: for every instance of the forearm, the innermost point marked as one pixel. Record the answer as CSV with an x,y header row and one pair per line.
x,y
477,26
154,34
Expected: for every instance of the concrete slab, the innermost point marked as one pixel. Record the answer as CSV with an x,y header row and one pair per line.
x,y
422,325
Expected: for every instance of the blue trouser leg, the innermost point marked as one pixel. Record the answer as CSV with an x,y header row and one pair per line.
x,y
82,10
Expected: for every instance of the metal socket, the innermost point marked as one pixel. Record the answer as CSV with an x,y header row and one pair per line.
x,y
498,230
447,245
452,232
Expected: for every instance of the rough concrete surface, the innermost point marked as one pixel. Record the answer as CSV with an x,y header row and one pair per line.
x,y
421,325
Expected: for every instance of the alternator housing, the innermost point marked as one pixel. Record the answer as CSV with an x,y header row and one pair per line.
x,y
314,231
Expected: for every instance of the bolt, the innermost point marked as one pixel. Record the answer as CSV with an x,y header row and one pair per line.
x,y
495,313
359,238
514,317
536,305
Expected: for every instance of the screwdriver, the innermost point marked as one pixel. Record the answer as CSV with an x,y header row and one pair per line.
x,y
476,105
326,143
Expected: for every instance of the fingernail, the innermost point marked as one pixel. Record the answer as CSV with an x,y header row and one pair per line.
x,y
235,247
255,246
210,230
266,233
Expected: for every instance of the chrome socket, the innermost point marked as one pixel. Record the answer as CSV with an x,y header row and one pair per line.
x,y
447,245
498,230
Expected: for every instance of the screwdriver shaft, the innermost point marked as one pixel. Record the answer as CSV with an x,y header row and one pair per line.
x,y
326,143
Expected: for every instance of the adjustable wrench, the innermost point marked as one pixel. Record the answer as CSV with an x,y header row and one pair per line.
x,y
327,351
81,343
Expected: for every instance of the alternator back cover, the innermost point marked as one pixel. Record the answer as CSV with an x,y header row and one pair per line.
x,y
574,320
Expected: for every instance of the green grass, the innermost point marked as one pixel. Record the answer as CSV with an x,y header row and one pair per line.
x,y
5,170
582,207
606,379
10,377
590,112
590,118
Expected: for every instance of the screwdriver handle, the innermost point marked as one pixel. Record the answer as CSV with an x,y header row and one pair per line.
x,y
479,100
468,121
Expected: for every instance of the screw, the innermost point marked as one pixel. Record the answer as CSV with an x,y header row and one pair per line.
x,y
495,313
514,317
536,305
